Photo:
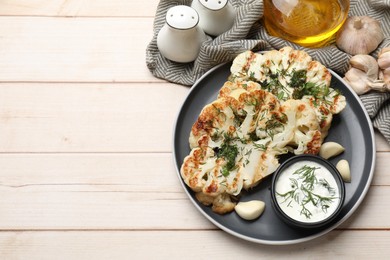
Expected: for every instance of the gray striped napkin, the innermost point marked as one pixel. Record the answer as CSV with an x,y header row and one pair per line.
x,y
247,33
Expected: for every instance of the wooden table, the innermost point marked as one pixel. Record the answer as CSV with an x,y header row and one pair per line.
x,y
86,168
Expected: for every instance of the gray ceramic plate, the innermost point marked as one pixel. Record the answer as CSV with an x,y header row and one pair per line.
x,y
352,128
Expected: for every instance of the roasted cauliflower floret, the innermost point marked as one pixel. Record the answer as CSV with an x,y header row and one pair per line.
x,y
302,122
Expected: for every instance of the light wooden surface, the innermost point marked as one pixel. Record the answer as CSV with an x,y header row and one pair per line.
x,y
86,169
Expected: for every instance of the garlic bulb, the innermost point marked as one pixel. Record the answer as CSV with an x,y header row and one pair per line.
x,y
359,35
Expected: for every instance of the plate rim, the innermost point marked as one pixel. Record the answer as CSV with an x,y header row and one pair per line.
x,y
278,242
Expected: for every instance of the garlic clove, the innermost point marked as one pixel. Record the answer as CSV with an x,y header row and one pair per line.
x,y
357,80
250,210
359,35
331,149
343,167
384,76
384,49
384,58
363,74
384,64
367,64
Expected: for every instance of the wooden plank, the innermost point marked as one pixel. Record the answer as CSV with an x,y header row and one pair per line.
x,y
88,117
77,8
87,207
381,144
382,173
48,117
74,49
119,191
90,173
98,172
90,207
175,245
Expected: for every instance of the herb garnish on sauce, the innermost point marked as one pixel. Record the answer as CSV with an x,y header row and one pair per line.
x,y
303,191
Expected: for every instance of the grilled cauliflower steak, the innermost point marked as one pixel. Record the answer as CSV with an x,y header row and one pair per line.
x,y
291,74
274,103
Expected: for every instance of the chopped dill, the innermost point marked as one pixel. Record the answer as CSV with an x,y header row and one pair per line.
x,y
228,152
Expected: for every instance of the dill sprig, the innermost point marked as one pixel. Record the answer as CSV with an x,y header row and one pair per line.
x,y
272,126
307,173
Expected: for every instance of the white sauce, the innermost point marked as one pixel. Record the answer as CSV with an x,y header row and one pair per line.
x,y
296,204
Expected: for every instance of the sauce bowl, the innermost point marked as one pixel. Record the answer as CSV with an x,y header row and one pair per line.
x,y
307,191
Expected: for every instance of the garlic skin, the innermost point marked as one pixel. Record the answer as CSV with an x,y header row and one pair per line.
x,y
363,74
359,35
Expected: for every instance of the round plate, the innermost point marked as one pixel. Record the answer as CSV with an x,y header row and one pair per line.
x,y
351,128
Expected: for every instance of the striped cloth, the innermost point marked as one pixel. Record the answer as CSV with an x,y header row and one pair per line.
x,y
247,33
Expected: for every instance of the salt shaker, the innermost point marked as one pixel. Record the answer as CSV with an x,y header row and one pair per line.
x,y
215,16
181,37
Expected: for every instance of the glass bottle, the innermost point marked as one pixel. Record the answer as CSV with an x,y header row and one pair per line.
x,y
305,22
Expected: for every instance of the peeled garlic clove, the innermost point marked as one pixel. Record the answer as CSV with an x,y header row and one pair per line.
x,y
343,167
359,35
250,210
330,149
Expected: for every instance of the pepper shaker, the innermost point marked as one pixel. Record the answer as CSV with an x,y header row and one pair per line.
x,y
215,16
181,37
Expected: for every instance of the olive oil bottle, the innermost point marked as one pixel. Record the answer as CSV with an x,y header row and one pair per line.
x,y
305,22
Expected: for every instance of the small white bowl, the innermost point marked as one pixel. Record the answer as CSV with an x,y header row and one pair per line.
x,y
277,200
